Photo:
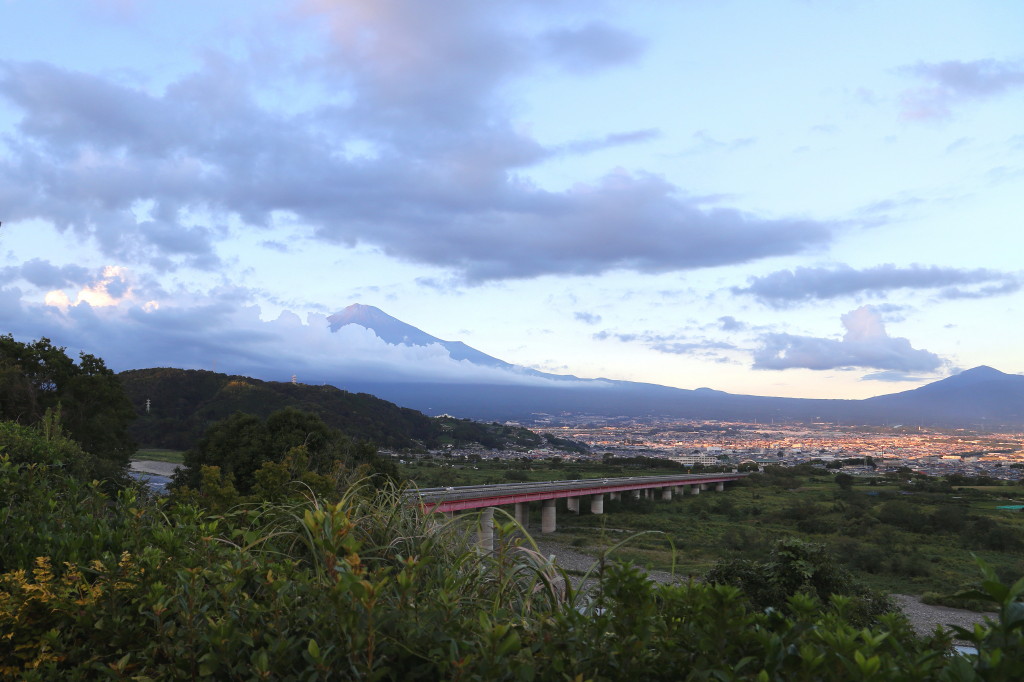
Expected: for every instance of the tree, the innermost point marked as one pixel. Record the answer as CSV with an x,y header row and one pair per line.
x,y
241,445
793,567
844,481
95,412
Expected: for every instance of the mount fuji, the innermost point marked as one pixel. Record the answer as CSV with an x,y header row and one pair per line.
x,y
396,332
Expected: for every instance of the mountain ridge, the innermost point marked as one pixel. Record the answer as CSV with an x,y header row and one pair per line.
x,y
175,407
980,395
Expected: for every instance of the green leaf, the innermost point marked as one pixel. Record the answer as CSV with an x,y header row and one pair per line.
x,y
510,643
1013,613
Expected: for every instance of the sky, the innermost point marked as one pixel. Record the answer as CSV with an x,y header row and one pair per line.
x,y
806,198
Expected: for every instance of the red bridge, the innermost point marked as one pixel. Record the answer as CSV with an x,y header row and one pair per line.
x,y
486,497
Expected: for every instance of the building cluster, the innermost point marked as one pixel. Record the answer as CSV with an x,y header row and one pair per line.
x,y
934,452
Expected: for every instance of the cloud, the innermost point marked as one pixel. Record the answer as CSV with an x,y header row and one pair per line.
x,y
728,323
219,329
45,275
865,344
955,81
704,347
588,318
893,376
669,343
109,289
704,143
1009,286
608,141
786,287
416,153
589,48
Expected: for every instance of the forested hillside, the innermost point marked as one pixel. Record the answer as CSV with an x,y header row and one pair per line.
x,y
184,403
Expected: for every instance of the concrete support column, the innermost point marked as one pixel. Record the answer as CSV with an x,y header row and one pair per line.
x,y
547,516
721,486
682,489
666,493
695,489
636,494
705,486
573,504
522,514
613,496
485,532
597,504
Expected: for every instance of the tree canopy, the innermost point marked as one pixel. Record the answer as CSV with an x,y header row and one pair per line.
x,y
242,445
95,412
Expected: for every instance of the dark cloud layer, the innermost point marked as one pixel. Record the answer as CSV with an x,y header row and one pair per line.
x,y
45,275
865,344
786,287
416,154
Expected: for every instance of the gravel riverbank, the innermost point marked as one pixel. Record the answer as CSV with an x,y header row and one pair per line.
x,y
149,466
923,617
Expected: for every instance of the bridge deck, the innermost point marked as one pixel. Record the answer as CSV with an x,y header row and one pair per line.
x,y
475,497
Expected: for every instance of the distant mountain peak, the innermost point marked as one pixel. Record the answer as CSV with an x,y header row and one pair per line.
x,y
363,315
397,333
975,375
982,371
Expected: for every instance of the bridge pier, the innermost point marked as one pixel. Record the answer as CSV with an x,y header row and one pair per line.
x,y
523,514
485,532
547,516
666,493
597,504
636,494
573,504
720,486
614,496
695,489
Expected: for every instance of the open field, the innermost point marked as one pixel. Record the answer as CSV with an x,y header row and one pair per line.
x,y
160,455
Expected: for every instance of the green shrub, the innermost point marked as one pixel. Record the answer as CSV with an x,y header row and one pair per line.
x,y
797,567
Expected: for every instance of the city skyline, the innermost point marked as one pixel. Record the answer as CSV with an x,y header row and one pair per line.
x,y
795,199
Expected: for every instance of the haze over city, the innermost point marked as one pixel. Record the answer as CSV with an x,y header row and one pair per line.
x,y
790,198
